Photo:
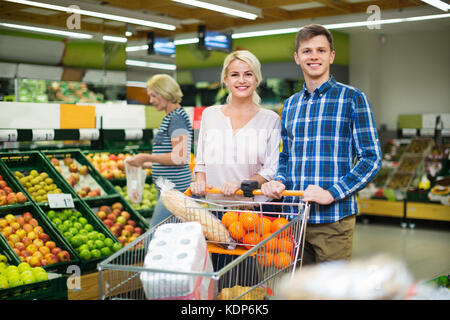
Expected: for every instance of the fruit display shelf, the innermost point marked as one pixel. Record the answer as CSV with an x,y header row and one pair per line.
x,y
11,192
84,233
40,176
111,165
149,198
78,171
64,257
111,212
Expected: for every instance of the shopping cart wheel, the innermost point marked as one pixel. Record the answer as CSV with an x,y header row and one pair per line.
x,y
365,221
411,225
403,225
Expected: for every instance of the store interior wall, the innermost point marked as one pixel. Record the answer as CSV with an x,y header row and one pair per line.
x,y
408,74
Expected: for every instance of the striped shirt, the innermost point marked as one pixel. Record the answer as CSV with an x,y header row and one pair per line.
x,y
330,140
174,124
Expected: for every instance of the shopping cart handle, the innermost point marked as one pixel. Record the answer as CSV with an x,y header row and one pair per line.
x,y
257,192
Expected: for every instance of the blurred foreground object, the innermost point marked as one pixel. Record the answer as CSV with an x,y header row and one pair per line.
x,y
380,277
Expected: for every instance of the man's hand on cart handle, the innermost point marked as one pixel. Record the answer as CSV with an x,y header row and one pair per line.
x,y
273,189
287,193
318,195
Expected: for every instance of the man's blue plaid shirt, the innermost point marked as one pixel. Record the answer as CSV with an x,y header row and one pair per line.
x,y
330,140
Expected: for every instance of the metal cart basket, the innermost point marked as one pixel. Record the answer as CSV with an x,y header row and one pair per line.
x,y
241,270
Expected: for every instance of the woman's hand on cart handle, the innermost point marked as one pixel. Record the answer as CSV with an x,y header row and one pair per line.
x,y
197,188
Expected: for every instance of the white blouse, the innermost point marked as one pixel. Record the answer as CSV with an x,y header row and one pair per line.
x,y
227,156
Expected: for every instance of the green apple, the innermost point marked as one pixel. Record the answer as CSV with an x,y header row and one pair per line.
x,y
85,254
83,221
14,280
105,251
108,242
88,227
4,284
36,270
23,266
96,253
100,236
41,276
99,244
27,277
117,246
3,258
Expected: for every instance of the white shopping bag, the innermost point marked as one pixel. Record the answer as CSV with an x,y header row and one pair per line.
x,y
135,182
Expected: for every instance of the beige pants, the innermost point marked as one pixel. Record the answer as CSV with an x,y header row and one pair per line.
x,y
329,241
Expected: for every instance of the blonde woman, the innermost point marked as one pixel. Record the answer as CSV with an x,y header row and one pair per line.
x,y
172,143
239,140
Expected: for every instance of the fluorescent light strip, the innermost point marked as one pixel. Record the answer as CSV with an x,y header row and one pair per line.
x,y
140,84
438,4
136,48
45,30
222,9
186,41
115,39
153,65
97,14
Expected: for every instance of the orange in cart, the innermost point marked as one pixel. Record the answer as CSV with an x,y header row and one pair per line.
x,y
282,260
272,244
229,217
264,226
236,230
285,245
277,224
267,259
251,239
248,220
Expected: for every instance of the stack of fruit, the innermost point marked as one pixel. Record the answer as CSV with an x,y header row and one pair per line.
x,y
38,185
7,196
86,241
111,166
13,276
78,177
29,241
249,228
149,197
118,221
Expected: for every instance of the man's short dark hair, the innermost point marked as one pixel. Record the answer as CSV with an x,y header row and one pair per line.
x,y
311,30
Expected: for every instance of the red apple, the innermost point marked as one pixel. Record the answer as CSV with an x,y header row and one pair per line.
x,y
54,161
50,244
86,189
138,230
82,193
117,205
101,214
32,248
11,198
122,240
39,230
27,241
21,198
126,233
44,262
91,194
83,170
7,190
129,228
63,256
32,235
34,223
51,258
125,214
44,237
68,161
3,200
16,251
25,253
19,245
35,262
105,209
3,184
38,242
38,254
27,227
108,222
15,226
27,216
56,250
111,216
44,250
131,223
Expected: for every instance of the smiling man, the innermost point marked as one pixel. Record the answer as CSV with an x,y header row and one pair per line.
x,y
330,149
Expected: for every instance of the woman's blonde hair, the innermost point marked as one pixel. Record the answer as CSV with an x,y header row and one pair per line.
x,y
252,61
165,86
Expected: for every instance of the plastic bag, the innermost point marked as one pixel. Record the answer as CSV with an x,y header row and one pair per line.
x,y
135,182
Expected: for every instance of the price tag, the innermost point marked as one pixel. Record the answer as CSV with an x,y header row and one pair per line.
x,y
427,132
89,134
134,134
43,134
409,132
60,200
8,135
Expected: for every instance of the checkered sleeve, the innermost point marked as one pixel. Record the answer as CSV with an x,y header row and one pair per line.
x,y
367,147
284,154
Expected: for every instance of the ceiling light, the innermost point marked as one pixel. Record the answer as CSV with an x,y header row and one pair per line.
x,y
186,41
154,65
263,33
107,16
45,30
115,39
227,7
140,84
438,4
128,33
136,48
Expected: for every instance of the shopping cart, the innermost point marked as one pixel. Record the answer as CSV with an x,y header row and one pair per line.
x,y
242,269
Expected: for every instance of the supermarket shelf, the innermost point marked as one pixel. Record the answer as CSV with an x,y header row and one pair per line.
x,y
427,211
381,207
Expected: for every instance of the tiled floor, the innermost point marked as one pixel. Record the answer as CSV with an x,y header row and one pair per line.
x,y
425,249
